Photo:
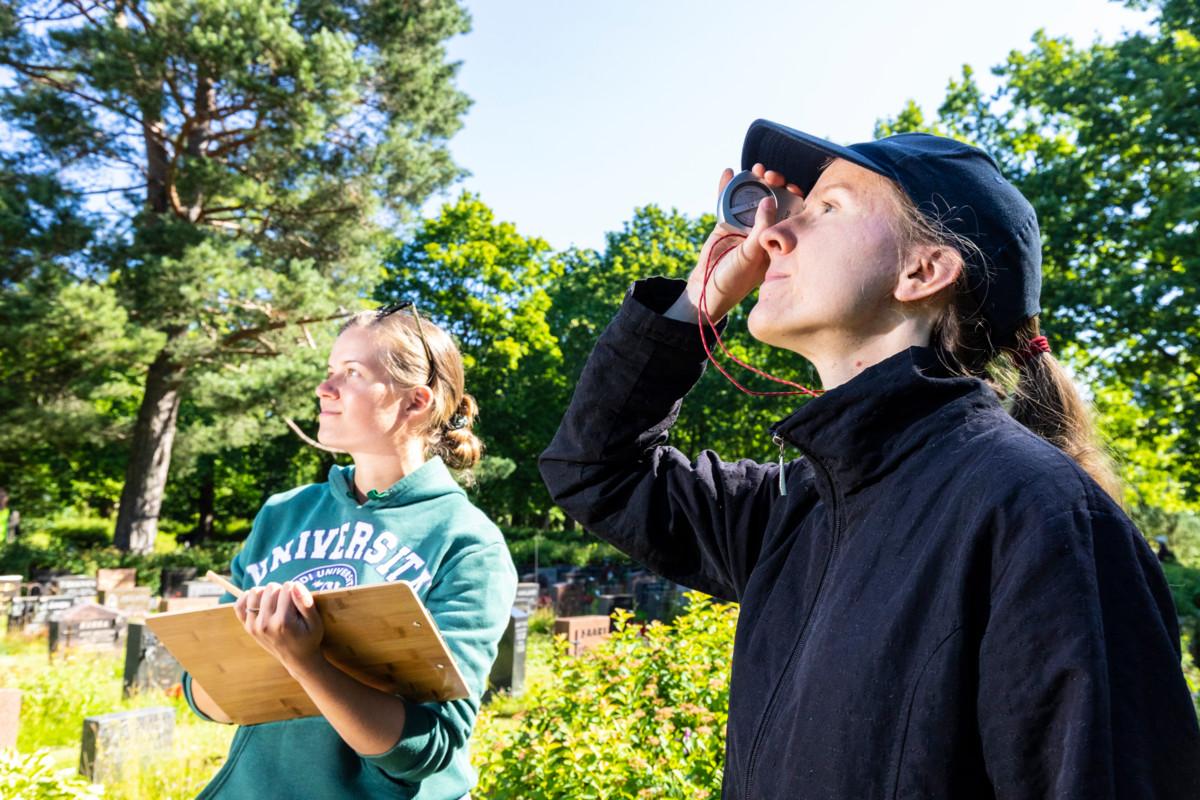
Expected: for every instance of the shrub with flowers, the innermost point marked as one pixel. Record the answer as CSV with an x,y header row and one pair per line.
x,y
641,715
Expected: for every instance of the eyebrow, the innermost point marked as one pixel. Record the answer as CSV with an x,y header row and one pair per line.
x,y
351,361
836,186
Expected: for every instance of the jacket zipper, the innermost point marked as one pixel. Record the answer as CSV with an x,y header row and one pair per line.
x,y
769,712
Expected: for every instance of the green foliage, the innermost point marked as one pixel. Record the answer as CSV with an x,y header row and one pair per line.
x,y
32,776
488,286
270,139
541,621
574,547
717,415
1103,141
641,715
1185,589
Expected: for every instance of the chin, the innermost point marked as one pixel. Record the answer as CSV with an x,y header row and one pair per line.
x,y
760,327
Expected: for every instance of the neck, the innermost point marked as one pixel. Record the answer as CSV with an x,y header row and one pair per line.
x,y
378,471
843,359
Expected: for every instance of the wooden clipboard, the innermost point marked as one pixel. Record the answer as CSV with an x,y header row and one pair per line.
x,y
379,633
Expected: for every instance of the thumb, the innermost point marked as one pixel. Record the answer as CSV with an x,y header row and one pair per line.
x,y
764,217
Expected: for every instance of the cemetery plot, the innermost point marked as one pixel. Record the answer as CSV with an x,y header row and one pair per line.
x,y
508,671
582,633
108,580
148,663
132,602
112,743
87,626
173,580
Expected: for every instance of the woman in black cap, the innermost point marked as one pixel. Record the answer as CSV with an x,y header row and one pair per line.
x,y
941,597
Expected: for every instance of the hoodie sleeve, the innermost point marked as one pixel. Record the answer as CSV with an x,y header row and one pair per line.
x,y
469,600
699,523
1080,689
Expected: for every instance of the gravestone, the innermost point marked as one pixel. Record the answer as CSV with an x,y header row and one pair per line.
x,y
87,626
172,580
132,602
202,589
10,587
109,579
10,717
606,604
32,614
570,599
583,633
527,597
656,599
187,603
73,586
148,664
113,742
508,671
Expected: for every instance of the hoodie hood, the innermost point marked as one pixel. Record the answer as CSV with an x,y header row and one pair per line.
x,y
430,481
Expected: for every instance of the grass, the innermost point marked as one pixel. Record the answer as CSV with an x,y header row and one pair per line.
x,y
57,694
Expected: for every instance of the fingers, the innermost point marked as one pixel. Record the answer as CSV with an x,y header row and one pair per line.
x,y
726,177
764,216
247,605
771,177
302,599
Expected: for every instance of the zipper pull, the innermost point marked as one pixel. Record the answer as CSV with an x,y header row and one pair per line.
x,y
777,439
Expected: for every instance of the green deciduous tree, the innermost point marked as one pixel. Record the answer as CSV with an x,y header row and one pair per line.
x,y
1105,141
259,142
488,286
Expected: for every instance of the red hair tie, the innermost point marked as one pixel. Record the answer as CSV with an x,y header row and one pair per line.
x,y
1032,349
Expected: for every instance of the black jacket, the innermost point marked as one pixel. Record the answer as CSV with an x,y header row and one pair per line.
x,y
943,605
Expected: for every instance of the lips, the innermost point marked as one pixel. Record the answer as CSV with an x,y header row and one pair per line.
x,y
773,276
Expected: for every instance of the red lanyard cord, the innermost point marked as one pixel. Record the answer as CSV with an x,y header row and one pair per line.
x,y
703,318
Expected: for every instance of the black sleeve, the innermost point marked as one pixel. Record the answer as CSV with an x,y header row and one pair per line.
x,y
699,523
1081,693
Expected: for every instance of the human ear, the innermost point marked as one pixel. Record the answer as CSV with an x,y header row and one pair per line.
x,y
927,271
419,401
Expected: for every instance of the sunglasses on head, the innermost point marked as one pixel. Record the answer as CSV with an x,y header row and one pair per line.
x,y
392,308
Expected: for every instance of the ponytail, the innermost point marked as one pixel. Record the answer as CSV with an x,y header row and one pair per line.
x,y
1046,401
1039,392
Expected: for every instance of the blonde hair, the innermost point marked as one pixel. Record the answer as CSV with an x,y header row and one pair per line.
x,y
449,428
1039,392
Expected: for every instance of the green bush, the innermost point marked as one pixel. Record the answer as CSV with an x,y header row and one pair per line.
x,y
32,776
541,621
1185,588
575,548
641,715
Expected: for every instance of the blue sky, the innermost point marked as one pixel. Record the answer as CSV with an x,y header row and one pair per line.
x,y
584,111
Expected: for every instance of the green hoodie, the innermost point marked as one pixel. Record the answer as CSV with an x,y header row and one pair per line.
x,y
422,530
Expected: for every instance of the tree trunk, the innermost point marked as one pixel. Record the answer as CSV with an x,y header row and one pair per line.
x,y
149,457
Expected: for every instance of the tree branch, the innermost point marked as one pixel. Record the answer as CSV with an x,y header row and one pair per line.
x,y
250,333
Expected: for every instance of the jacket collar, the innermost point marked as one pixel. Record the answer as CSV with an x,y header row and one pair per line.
x,y
862,429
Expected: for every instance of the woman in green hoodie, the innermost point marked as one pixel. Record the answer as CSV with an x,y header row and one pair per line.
x,y
393,398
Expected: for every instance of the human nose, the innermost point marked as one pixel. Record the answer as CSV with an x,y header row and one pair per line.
x,y
326,389
779,239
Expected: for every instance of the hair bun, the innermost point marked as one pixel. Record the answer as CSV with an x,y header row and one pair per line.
x,y
458,445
